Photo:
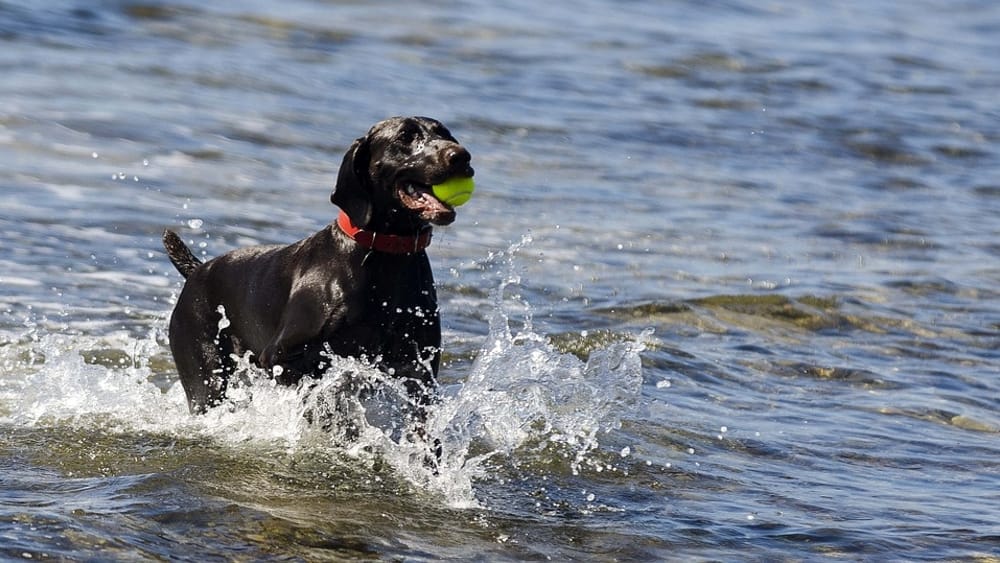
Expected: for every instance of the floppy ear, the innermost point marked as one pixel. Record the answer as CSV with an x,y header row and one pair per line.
x,y
352,193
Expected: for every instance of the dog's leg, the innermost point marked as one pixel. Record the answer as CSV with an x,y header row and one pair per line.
x,y
201,354
423,395
306,315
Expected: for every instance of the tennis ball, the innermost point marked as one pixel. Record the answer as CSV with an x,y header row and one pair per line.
x,y
454,192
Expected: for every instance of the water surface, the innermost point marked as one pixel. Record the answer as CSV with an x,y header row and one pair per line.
x,y
728,288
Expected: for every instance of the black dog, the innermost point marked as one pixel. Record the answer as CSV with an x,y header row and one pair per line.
x,y
362,287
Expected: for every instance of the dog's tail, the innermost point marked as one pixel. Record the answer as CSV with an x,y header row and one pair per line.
x,y
184,260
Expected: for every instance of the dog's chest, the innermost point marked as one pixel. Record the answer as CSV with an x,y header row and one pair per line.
x,y
392,316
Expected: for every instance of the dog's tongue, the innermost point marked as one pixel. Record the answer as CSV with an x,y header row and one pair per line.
x,y
430,202
428,207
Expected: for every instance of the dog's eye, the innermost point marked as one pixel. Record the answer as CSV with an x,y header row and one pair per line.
x,y
442,132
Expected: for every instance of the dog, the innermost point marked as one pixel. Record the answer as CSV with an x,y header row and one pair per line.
x,y
361,287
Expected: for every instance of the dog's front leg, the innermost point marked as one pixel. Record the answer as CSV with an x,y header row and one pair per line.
x,y
305,317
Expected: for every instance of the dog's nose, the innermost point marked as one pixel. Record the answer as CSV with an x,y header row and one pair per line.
x,y
456,155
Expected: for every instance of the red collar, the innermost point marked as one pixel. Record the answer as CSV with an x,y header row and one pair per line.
x,y
391,244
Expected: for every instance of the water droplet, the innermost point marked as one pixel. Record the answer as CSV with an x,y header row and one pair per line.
x,y
93,155
591,497
626,451
195,223
224,321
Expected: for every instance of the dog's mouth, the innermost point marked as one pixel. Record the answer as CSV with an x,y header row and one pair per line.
x,y
419,198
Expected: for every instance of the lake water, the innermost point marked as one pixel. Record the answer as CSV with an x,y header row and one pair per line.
x,y
729,288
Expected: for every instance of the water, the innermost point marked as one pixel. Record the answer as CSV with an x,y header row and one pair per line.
x,y
728,288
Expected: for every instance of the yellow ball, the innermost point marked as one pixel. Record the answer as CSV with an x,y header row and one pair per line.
x,y
455,191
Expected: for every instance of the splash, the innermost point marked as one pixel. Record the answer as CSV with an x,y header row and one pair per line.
x,y
521,395
522,392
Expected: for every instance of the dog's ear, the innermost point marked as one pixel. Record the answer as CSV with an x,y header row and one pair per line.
x,y
352,193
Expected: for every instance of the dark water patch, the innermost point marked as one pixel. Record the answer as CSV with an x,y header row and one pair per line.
x,y
987,190
702,65
142,11
875,232
884,147
673,135
668,316
726,103
914,61
725,62
807,312
856,377
896,184
926,287
311,542
754,349
662,70
803,84
645,311
95,451
303,38
515,128
960,152
299,34
716,313
942,416
53,26
193,25
910,89
233,79
582,343
931,344
206,153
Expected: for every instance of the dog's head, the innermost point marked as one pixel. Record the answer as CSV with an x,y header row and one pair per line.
x,y
386,177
